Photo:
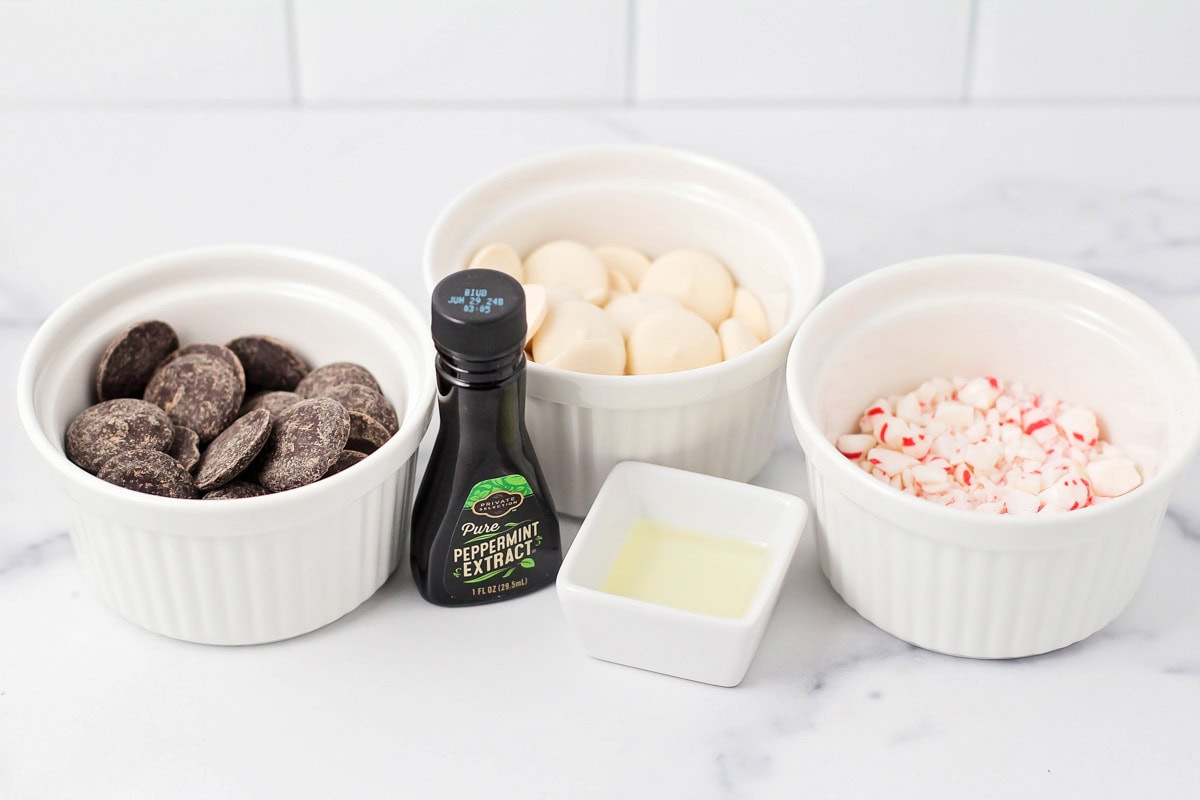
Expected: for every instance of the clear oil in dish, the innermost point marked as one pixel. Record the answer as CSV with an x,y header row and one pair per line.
x,y
686,569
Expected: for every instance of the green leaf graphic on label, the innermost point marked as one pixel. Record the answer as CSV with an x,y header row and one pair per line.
x,y
509,483
508,572
527,563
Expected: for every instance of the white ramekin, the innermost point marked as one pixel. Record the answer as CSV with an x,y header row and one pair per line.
x,y
973,584
718,420
258,569
686,644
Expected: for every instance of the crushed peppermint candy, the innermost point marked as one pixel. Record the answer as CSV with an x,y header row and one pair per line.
x,y
985,446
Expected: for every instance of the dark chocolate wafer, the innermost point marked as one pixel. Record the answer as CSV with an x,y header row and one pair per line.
x,y
274,401
197,391
101,431
186,447
149,472
235,490
366,435
218,351
320,379
305,441
365,400
346,460
131,358
269,362
233,450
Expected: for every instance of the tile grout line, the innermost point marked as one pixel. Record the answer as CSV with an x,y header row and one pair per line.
x,y
293,51
972,43
782,104
630,52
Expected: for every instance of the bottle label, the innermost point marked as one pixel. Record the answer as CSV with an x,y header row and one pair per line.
x,y
495,545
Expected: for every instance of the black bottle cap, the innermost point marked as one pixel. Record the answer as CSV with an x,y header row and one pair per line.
x,y
478,314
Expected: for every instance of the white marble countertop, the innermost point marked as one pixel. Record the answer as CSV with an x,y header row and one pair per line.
x,y
411,700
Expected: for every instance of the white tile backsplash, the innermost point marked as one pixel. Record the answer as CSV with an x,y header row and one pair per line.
x,y
1089,49
461,50
151,53
800,50
143,51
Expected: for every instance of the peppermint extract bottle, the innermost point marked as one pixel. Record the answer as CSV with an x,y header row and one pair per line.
x,y
484,527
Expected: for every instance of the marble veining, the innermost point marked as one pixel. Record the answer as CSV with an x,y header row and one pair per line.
x,y
34,554
403,698
836,669
1187,525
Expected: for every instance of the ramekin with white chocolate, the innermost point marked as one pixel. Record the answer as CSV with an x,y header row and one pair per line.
x,y
612,310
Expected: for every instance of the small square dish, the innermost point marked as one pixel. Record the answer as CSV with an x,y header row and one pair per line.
x,y
678,572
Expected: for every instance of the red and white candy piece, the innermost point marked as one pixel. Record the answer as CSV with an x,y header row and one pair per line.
x,y
979,444
1113,477
855,445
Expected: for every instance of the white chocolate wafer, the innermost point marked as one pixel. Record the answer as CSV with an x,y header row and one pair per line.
x,y
499,256
556,295
748,311
567,263
625,260
630,309
736,338
536,305
572,323
597,356
672,340
618,282
696,279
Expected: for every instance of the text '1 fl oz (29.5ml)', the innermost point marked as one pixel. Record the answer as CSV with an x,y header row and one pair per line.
x,y
484,526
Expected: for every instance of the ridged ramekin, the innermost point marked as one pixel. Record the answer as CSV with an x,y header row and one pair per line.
x,y
719,420
252,570
974,584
